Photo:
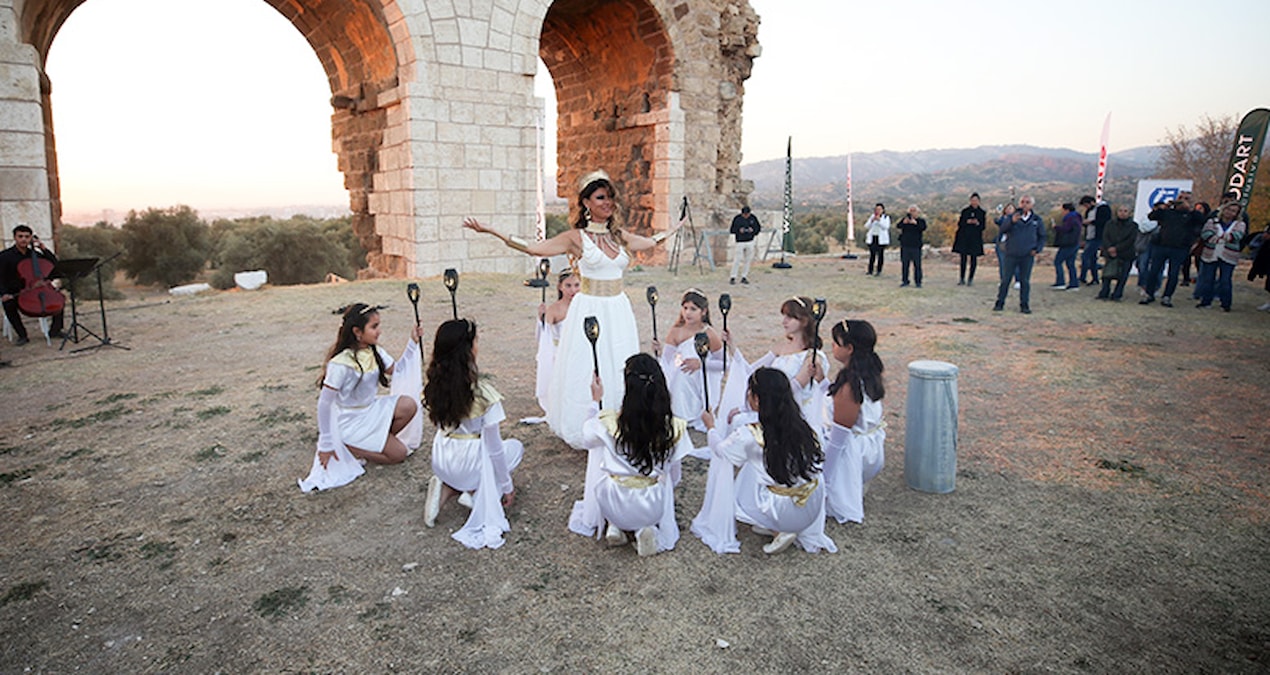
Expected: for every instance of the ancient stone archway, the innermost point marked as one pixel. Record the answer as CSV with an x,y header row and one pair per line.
x,y
433,113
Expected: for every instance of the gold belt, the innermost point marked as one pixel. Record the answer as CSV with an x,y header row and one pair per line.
x,y
874,429
799,494
634,482
463,437
601,287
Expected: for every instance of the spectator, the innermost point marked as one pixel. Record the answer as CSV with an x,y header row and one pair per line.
x,y
745,227
878,236
969,239
1067,239
1118,249
1222,236
911,227
1024,238
1097,215
1172,245
1199,217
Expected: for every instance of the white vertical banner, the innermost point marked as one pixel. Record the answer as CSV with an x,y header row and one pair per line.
x,y
540,214
1102,158
850,207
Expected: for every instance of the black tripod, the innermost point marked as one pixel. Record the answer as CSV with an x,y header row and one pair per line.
x,y
73,270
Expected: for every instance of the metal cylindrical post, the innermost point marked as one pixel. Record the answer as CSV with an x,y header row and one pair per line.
x,y
930,436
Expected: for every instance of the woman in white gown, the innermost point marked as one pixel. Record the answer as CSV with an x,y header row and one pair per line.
x,y
632,463
854,443
792,355
682,364
548,330
778,490
468,454
601,249
354,422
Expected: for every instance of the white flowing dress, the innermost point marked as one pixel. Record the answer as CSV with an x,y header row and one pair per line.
x,y
688,390
474,458
548,335
617,492
360,417
569,396
753,496
853,457
812,399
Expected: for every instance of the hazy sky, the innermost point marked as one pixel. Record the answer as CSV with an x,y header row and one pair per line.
x,y
220,103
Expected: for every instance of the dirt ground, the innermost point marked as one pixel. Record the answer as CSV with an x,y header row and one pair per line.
x,y
1110,511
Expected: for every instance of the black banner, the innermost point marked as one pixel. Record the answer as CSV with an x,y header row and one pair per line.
x,y
1241,168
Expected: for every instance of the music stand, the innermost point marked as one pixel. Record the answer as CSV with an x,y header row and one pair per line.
x,y
73,269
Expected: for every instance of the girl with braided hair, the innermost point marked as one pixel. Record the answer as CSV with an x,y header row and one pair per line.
x,y
354,423
468,454
779,490
853,446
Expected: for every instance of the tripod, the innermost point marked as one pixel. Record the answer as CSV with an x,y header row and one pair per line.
x,y
74,270
677,248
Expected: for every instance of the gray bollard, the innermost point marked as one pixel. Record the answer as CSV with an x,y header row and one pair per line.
x,y
930,430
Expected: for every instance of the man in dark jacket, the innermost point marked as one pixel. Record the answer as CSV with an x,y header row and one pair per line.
x,y
744,227
911,228
12,283
1097,215
1024,234
1172,245
1117,247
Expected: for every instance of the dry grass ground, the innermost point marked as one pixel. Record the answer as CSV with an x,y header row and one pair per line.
x,y
1110,512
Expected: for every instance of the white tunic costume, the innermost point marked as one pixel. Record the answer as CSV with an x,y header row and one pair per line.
x,y
617,492
687,390
753,496
569,395
811,399
474,458
360,417
852,458
548,335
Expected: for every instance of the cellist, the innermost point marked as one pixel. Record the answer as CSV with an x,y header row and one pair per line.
x,y
12,282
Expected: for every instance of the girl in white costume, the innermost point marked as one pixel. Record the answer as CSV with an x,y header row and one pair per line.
x,y
778,490
468,454
632,463
549,319
683,366
354,423
602,250
790,355
856,433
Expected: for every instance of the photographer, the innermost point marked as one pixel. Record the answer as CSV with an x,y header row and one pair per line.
x,y
1171,246
911,228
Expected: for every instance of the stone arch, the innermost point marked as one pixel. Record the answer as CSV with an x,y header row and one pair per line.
x,y
613,68
356,42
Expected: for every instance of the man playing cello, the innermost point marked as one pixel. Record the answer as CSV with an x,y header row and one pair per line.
x,y
16,278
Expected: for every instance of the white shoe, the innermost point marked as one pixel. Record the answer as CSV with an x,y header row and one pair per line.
x,y
762,530
646,542
614,536
465,499
1058,287
432,504
1265,307
780,542
1017,285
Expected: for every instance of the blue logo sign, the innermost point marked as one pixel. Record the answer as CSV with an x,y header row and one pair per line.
x,y
1163,194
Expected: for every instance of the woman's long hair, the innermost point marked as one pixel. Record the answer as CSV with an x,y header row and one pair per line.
x,y
645,425
356,315
451,375
864,372
697,298
799,307
791,450
614,224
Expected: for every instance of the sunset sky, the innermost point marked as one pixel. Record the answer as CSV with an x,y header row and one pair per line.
x,y
221,103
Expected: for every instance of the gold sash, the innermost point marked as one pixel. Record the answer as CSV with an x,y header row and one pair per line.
x,y
608,419
799,494
634,482
601,287
462,436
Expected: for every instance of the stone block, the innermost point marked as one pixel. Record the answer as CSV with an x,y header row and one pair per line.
x,y
473,32
23,185
19,82
22,149
446,32
36,214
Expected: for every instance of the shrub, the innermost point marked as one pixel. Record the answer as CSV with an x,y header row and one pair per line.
x,y
298,250
164,246
99,241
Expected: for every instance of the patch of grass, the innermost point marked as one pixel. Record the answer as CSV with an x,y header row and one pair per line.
x,y
274,387
280,416
214,411
964,319
79,452
276,604
55,406
114,398
1046,351
6,450
105,551
165,551
205,393
99,416
185,520
209,453
154,398
19,475
23,591
250,457
379,610
337,594
1121,465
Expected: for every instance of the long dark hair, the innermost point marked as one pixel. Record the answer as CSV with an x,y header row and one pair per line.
x,y
614,223
791,450
451,376
645,425
799,307
697,298
356,315
863,373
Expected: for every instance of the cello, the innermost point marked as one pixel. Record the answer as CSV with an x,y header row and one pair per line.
x,y
38,297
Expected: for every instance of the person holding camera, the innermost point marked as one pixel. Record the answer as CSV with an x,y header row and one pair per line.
x,y
911,228
878,236
1171,246
1024,233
